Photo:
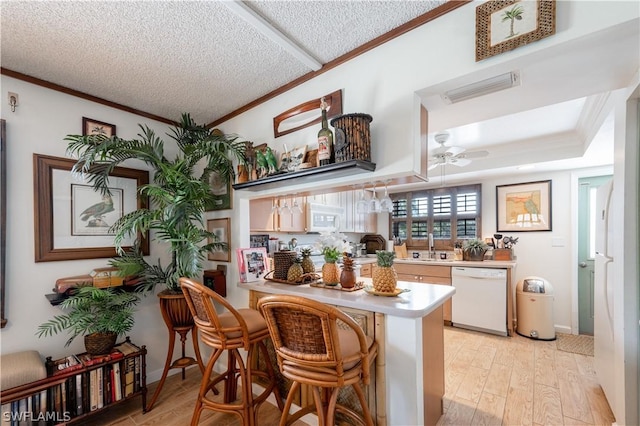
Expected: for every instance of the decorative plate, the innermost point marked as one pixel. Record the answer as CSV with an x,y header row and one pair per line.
x,y
369,289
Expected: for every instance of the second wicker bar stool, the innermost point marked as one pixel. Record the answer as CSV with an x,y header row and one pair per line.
x,y
320,346
230,331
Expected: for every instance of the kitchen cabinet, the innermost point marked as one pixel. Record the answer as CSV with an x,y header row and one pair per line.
x,y
354,222
427,274
290,221
263,219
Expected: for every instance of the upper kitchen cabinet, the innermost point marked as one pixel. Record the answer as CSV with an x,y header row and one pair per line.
x,y
261,218
288,215
353,221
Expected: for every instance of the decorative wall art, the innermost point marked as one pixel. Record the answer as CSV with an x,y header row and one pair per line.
x,y
524,207
306,114
504,25
95,127
290,161
92,213
222,229
72,220
221,190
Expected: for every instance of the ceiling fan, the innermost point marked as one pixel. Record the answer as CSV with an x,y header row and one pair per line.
x,y
455,155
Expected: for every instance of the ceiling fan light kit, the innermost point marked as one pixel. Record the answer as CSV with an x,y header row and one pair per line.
x,y
455,155
482,87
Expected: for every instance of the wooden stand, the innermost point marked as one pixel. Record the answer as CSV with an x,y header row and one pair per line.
x,y
178,319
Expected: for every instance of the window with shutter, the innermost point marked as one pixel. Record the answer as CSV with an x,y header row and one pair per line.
x,y
450,214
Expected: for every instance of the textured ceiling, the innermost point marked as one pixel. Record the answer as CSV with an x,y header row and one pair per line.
x,y
169,57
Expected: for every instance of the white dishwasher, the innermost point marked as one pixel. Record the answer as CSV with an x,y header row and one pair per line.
x,y
480,301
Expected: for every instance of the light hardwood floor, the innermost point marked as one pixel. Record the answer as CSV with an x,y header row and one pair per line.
x,y
490,380
493,380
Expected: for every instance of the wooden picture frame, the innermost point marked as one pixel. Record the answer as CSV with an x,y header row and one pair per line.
x,y
524,207
53,208
95,127
222,228
503,25
306,114
222,196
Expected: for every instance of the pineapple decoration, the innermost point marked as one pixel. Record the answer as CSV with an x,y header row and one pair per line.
x,y
348,275
307,264
384,276
295,272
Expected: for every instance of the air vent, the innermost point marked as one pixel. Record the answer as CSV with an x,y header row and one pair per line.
x,y
483,87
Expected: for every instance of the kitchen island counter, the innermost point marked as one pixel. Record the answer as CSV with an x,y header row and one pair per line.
x,y
409,371
417,302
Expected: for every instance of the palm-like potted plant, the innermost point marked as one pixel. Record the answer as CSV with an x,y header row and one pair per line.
x,y
178,197
474,249
99,314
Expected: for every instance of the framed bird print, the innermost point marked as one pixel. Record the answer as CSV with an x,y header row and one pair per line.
x,y
92,213
524,207
72,221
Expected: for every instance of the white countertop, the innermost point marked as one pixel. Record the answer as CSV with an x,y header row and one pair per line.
x,y
420,301
503,264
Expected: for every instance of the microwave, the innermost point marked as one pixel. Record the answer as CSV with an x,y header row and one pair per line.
x,y
324,218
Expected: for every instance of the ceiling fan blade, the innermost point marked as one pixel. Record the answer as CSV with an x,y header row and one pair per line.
x,y
434,165
474,154
455,150
459,161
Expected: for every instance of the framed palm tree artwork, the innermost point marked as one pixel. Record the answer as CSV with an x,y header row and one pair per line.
x,y
503,25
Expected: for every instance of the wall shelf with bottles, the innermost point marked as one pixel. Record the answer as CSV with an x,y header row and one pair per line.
x,y
330,171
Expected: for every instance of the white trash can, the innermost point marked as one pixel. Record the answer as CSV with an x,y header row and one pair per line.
x,y
534,309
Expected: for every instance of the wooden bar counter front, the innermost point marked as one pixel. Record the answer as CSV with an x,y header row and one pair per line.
x,y
408,383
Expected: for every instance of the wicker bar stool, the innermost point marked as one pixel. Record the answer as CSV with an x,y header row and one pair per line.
x,y
320,346
230,331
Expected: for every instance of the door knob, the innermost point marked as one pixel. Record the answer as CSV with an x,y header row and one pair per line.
x,y
582,264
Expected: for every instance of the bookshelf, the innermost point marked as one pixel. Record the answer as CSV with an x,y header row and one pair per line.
x,y
79,386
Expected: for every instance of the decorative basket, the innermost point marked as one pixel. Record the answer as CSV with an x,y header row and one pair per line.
x,y
282,260
353,137
99,343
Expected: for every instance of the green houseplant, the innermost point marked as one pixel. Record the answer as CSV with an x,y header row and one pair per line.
x,y
99,314
474,249
178,195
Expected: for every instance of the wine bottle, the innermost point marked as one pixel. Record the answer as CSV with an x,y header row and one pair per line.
x,y
326,154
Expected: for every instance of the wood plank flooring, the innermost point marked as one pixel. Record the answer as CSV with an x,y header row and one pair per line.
x,y
493,380
489,380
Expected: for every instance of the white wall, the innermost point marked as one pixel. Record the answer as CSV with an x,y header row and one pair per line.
x,y
39,125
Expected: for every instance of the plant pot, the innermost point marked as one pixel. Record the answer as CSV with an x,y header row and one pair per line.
x,y
99,343
175,310
473,255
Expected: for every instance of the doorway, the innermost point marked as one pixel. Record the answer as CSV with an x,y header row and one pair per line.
x,y
586,249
